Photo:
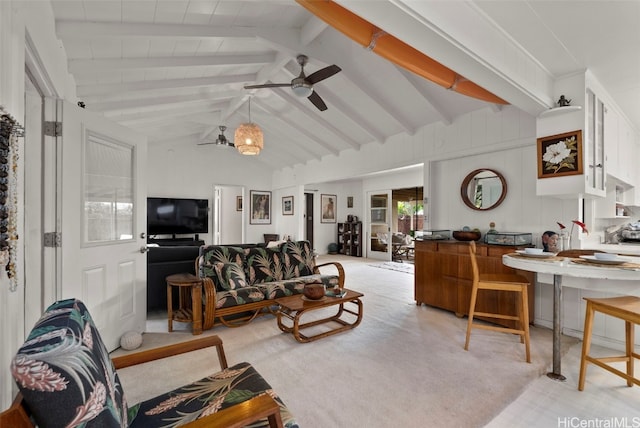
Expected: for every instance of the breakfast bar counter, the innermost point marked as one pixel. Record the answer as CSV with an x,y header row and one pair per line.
x,y
621,278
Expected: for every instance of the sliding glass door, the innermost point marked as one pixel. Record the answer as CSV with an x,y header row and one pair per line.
x,y
379,245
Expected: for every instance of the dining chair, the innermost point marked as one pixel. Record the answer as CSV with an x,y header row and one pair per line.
x,y
506,282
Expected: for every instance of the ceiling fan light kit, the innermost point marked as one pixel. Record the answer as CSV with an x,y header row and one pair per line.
x,y
301,89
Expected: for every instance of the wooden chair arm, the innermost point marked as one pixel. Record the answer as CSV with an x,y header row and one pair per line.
x,y
209,295
15,416
239,415
243,414
338,266
128,360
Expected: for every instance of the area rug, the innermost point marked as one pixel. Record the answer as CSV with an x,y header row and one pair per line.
x,y
400,267
404,365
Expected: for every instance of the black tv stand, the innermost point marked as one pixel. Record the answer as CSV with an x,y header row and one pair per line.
x,y
174,242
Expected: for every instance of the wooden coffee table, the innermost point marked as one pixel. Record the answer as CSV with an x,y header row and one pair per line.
x,y
294,307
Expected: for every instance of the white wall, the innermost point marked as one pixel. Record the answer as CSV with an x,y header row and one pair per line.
x,y
192,171
20,20
230,218
291,226
521,211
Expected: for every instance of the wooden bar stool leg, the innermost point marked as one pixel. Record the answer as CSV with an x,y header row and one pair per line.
x,y
472,308
524,319
629,328
519,307
586,345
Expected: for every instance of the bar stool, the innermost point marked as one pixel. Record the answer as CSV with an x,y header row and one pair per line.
x,y
499,282
627,308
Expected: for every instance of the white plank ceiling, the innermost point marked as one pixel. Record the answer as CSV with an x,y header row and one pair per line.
x,y
176,69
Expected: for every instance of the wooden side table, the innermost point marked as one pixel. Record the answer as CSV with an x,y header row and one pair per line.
x,y
189,300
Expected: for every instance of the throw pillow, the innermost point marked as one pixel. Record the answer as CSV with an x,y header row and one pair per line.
x,y
230,275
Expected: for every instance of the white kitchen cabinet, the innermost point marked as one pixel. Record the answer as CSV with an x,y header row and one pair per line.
x,y
590,121
612,158
594,144
620,148
614,205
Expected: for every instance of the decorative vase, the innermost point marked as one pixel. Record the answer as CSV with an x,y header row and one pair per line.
x,y
565,241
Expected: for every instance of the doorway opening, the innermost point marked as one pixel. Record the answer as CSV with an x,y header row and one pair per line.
x,y
308,218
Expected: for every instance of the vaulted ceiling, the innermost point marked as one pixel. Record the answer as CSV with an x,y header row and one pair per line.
x,y
175,70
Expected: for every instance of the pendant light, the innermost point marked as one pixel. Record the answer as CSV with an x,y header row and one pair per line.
x,y
248,138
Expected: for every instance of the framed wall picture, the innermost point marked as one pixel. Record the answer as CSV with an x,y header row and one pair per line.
x,y
260,207
238,203
349,201
328,206
560,155
287,205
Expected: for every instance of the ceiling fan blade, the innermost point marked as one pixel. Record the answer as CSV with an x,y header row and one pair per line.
x,y
323,74
317,101
268,85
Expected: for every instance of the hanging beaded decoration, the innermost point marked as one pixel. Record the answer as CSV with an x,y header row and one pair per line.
x,y
10,131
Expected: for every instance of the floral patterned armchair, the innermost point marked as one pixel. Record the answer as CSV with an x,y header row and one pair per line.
x,y
67,379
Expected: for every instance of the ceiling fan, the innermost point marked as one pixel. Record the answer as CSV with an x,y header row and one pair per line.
x,y
302,85
221,140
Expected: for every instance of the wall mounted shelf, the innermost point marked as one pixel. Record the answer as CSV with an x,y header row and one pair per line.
x,y
559,110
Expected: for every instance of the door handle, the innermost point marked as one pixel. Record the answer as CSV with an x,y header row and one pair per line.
x,y
144,249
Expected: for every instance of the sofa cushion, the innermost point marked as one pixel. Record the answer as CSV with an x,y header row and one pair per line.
x,y
84,379
212,254
329,281
277,289
239,296
263,264
207,396
298,259
230,275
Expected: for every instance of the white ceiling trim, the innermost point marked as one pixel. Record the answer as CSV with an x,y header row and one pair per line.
x,y
150,85
87,66
297,127
413,80
155,103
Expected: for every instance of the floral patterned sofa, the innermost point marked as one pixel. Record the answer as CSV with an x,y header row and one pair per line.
x,y
67,379
242,283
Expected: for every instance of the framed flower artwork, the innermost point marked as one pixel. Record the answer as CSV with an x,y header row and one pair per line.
x,y
560,155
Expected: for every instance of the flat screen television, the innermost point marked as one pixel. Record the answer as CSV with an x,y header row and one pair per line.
x,y
171,216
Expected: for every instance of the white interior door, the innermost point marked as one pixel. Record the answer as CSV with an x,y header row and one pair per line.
x,y
379,219
228,224
102,214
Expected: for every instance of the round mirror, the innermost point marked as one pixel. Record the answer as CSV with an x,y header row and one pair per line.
x,y
483,189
